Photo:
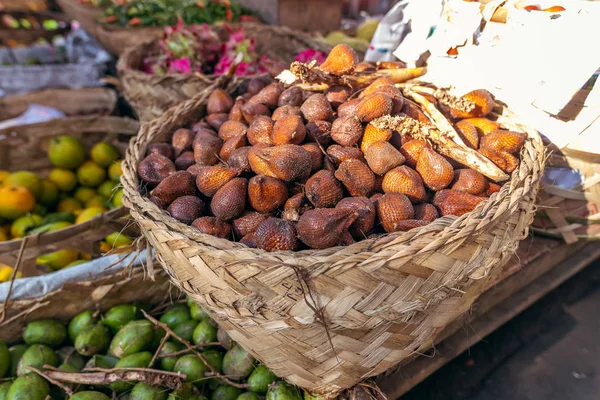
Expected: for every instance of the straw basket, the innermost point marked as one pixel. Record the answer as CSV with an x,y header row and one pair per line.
x,y
327,319
152,95
25,148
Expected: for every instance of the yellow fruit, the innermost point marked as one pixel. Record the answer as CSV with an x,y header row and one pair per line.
x,y
85,256
3,236
6,272
64,179
335,37
117,200
105,247
98,202
57,226
107,189
3,175
117,239
84,194
49,195
91,174
88,214
58,259
367,29
21,226
66,152
74,263
69,205
104,154
15,201
115,171
26,179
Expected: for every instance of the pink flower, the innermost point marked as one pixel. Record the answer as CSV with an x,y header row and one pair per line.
x,y
181,65
308,55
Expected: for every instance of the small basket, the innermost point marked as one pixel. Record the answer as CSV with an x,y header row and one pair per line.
x,y
25,37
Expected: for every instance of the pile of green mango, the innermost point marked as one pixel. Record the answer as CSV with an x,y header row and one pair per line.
x,y
123,338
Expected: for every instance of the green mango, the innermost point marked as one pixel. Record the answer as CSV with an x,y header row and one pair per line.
x,y
16,352
28,387
238,363
183,392
248,396
58,393
185,329
5,359
36,356
260,379
157,337
197,397
197,312
136,360
175,315
107,362
204,333
223,338
134,337
309,396
59,217
141,391
283,391
79,323
89,395
45,331
118,316
215,358
68,355
193,367
226,392
168,363
4,387
92,340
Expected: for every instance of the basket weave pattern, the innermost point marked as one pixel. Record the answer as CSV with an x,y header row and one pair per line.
x,y
327,319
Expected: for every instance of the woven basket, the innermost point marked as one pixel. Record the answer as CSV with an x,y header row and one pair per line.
x,y
21,36
152,95
383,299
24,148
23,5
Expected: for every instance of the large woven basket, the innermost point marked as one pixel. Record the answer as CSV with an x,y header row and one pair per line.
x,y
152,95
325,320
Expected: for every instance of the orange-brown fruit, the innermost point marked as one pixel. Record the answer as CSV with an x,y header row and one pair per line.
x,y
483,125
492,188
204,131
232,129
338,154
377,83
453,202
238,159
397,140
269,95
216,120
348,108
346,131
470,181
391,65
159,203
186,209
484,104
393,208
250,240
276,234
180,183
287,162
322,228
316,155
508,141
289,130
182,140
468,133
251,110
236,111
185,160
266,194
210,179
411,151
317,108
373,134
405,180
408,224
382,157
426,212
364,66
260,130
213,226
374,106
230,200
395,95
219,101
328,165
292,96
414,111
195,169
164,149
503,160
365,222
295,206
319,131
357,177
284,111
346,239
255,85
155,168
247,223
437,173
375,198
338,94
379,183
206,148
231,145
323,190
342,60
202,124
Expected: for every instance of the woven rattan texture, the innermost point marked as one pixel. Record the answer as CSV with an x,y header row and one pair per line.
x,y
382,299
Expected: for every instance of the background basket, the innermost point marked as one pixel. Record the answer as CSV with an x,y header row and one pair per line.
x,y
23,5
152,95
25,148
23,36
382,299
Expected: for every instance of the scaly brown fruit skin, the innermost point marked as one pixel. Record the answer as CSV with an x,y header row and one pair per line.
x,y
292,97
252,110
453,202
393,208
365,222
185,160
162,149
295,206
348,108
468,133
414,111
342,60
276,234
230,200
236,111
426,212
364,66
408,224
248,222
266,194
207,148
411,151
395,95
216,120
316,155
284,111
186,209
484,104
195,169
219,101
376,84
269,95
492,188
289,130
483,125
500,140
405,180
382,157
372,134
503,160
317,108
374,106
338,94
231,129
255,85
231,145
287,162
155,168
250,240
357,177
338,154
180,183
213,226
238,159
260,130
323,190
470,181
437,173
318,132
201,125
322,227
346,131
210,179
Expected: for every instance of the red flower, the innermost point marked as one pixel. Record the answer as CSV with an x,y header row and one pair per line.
x,y
110,19
229,15
135,21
